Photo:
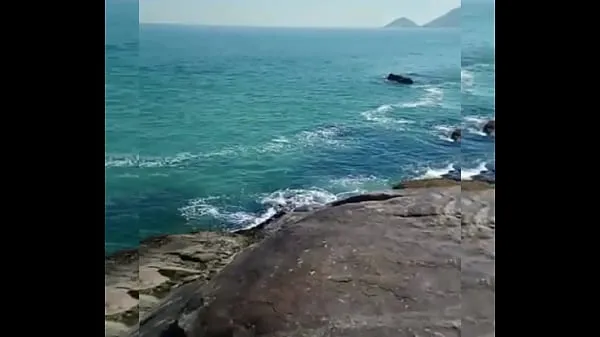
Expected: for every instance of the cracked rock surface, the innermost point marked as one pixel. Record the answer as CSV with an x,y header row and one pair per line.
x,y
136,280
416,262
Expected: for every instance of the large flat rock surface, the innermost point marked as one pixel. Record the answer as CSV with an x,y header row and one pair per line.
x,y
408,263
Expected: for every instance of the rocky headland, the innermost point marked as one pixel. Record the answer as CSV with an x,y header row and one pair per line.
x,y
417,260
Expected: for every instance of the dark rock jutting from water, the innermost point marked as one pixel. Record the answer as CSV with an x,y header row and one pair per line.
x,y
453,177
490,128
399,78
396,263
456,135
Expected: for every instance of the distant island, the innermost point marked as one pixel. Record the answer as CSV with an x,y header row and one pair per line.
x,y
448,20
402,23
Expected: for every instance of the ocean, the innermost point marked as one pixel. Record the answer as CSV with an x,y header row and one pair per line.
x,y
218,127
478,68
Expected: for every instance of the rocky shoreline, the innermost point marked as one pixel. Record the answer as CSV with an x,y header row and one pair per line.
x,y
136,280
396,263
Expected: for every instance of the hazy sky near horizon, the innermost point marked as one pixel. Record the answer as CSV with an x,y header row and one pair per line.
x,y
292,13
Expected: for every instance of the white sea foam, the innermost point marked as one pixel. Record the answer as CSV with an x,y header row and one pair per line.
x,y
382,116
329,136
446,139
474,124
467,79
384,108
147,162
352,184
200,207
321,136
433,173
272,202
292,198
433,96
465,172
281,199
469,173
276,145
128,176
445,128
474,131
478,120
443,132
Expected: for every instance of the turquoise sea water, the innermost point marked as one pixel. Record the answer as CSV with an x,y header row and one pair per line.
x,y
478,88
220,126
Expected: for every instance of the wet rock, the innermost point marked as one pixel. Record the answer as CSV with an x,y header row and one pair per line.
x,y
452,174
400,79
490,127
456,135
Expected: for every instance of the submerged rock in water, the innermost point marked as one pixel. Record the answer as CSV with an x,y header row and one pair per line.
x,y
398,263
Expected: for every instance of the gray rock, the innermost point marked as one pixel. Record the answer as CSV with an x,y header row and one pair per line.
x,y
456,135
414,262
490,127
114,329
136,280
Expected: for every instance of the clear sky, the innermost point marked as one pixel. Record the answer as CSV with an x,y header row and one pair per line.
x,y
292,13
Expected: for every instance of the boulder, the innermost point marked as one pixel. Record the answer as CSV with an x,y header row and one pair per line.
x,y
490,127
400,79
456,135
412,262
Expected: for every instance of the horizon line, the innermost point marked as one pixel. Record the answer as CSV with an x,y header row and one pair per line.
x,y
319,27
287,27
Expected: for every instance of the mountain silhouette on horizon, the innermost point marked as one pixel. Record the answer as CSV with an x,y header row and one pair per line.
x,y
449,20
402,23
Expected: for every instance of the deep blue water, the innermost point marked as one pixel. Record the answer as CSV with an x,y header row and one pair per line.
x,y
218,126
